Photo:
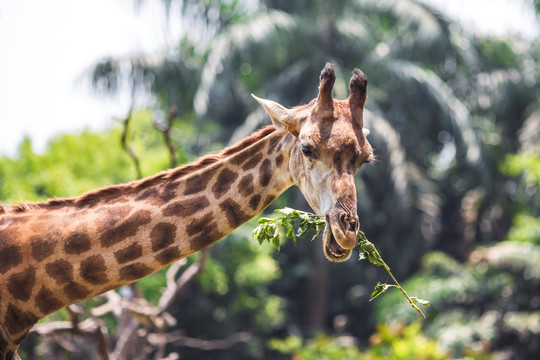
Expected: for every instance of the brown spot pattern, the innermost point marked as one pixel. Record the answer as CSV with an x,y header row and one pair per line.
x,y
198,225
198,183
242,156
3,341
41,247
168,192
268,200
10,256
149,193
77,243
134,271
279,159
112,198
93,270
162,235
20,285
265,173
125,229
76,291
208,236
203,232
224,181
255,201
169,255
60,270
132,252
47,302
338,163
234,213
245,186
275,145
18,320
254,161
186,207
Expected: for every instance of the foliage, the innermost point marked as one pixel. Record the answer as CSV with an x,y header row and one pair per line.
x,y
480,306
471,301
369,251
526,228
526,164
454,120
275,230
272,229
321,347
525,167
73,164
403,342
444,105
234,293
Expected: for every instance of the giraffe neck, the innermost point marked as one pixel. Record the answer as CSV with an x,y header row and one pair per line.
x,y
57,255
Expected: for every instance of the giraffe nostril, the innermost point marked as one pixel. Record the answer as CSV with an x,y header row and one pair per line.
x,y
353,225
343,220
348,222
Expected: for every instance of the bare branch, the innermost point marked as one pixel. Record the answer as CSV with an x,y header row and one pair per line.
x,y
178,339
166,130
124,143
173,291
92,328
124,338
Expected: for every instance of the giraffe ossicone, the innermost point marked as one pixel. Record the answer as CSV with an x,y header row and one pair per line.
x,y
62,251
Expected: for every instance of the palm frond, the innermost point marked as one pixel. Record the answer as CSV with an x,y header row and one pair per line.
x,y
418,32
529,134
398,192
263,40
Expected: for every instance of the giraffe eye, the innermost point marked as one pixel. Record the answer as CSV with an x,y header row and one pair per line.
x,y
307,151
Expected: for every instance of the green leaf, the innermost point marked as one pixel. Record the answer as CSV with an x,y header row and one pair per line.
x,y
302,230
277,244
269,230
287,211
379,289
420,301
290,233
370,252
319,227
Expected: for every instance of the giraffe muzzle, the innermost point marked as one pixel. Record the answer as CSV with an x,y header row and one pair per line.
x,y
340,235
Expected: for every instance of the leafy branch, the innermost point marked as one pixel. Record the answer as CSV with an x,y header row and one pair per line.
x,y
269,228
369,251
276,229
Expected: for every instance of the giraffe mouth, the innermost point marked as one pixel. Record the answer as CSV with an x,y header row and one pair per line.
x,y
332,250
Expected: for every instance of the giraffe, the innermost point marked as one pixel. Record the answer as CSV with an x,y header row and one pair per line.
x,y
62,251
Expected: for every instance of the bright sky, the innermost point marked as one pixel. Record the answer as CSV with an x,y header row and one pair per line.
x,y
46,51
46,48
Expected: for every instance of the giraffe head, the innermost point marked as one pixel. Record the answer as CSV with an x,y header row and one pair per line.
x,y
330,147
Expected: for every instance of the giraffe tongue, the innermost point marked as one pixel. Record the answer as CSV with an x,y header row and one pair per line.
x,y
331,244
335,248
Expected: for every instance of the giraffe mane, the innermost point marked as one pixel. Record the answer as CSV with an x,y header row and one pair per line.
x,y
97,195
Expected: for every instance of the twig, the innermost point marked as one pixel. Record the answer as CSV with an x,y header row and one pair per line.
x,y
206,345
165,129
173,291
370,252
92,327
125,146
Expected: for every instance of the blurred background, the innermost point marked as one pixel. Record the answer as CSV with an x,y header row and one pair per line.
x,y
452,202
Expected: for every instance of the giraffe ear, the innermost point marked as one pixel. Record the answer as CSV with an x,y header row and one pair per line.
x,y
358,95
282,118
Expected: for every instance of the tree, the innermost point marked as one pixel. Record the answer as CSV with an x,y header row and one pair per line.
x,y
445,107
